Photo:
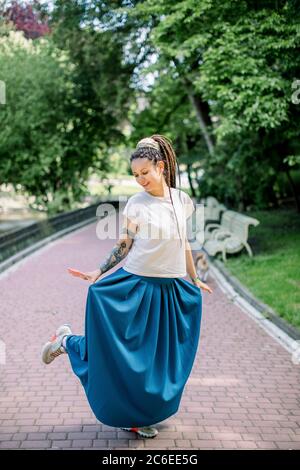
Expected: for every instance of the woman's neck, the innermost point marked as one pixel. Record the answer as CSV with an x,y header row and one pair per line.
x,y
162,191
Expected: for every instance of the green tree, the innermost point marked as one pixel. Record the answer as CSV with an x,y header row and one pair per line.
x,y
33,120
236,62
67,96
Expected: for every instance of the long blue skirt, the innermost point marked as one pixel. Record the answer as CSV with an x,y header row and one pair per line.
x,y
140,342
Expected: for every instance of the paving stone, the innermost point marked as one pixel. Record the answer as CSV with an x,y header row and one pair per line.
x,y
243,392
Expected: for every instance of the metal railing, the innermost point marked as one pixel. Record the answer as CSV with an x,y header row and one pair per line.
x,y
16,240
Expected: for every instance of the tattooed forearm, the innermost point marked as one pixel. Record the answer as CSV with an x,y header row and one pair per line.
x,y
121,249
127,232
118,252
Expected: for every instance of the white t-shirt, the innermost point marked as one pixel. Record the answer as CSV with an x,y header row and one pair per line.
x,y
156,249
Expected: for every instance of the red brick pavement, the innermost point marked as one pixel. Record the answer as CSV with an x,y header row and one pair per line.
x,y
243,392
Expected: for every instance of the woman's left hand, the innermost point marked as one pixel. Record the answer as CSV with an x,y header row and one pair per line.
x,y
203,286
92,276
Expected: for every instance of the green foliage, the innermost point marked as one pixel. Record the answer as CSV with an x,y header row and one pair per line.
x,y
247,73
33,120
241,58
66,97
222,76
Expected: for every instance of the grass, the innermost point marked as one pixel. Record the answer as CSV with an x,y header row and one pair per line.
x,y
273,274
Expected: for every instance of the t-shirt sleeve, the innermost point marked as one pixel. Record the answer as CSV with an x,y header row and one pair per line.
x,y
188,206
131,211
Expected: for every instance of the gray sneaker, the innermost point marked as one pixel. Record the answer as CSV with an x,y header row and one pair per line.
x,y
54,347
147,431
64,329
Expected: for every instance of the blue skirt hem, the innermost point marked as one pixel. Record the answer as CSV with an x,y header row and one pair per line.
x,y
138,350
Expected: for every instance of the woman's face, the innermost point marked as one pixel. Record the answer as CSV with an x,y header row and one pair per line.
x,y
146,173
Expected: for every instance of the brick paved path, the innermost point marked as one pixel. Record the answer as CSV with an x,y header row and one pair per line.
x,y
243,392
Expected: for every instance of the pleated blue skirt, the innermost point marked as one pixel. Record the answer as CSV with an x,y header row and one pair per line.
x,y
140,342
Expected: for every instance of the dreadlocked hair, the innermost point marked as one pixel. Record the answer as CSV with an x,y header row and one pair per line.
x,y
166,154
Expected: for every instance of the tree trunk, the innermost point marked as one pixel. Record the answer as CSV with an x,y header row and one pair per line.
x,y
189,167
294,189
196,103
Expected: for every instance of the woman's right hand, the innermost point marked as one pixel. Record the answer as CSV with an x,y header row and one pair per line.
x,y
91,276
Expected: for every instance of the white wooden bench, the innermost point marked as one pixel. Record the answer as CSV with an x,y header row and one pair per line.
x,y
212,209
230,236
